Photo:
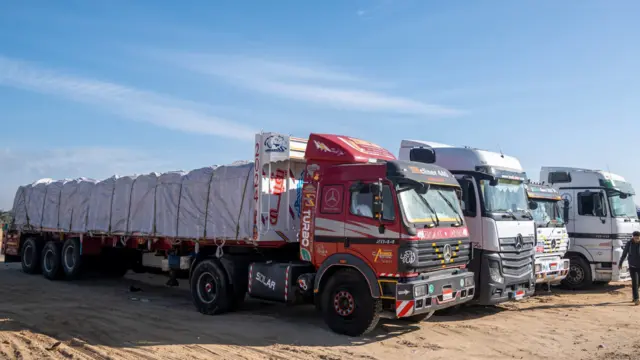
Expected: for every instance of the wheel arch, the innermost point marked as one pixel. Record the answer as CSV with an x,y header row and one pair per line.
x,y
339,261
580,251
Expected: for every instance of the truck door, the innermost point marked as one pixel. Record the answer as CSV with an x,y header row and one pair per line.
x,y
593,225
330,221
366,237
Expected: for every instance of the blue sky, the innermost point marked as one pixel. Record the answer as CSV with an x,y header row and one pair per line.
x,y
94,88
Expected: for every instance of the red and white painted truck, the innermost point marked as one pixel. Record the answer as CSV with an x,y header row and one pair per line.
x,y
330,220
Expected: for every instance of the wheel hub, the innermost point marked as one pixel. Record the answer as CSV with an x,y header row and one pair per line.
x,y
206,285
576,274
343,303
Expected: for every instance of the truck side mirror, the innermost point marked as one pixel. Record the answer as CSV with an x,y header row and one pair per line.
x,y
533,205
423,155
493,182
565,211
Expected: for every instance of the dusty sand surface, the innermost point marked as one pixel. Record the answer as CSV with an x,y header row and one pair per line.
x,y
102,319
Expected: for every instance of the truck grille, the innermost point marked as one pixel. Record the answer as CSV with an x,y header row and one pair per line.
x,y
560,246
516,260
433,255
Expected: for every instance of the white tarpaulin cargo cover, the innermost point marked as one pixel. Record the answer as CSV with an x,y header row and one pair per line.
x,y
100,202
80,202
121,204
50,214
143,205
20,207
211,202
35,202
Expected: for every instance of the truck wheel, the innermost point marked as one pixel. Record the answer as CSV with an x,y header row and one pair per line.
x,y
71,258
210,289
51,262
418,318
579,275
30,256
347,305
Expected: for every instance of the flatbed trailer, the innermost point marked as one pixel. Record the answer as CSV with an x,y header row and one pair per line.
x,y
330,220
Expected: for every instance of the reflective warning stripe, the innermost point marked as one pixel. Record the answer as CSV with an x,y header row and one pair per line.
x,y
404,308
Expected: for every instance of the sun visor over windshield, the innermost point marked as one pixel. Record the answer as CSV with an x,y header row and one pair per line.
x,y
431,174
344,149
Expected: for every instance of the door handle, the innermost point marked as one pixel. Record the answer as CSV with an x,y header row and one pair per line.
x,y
346,242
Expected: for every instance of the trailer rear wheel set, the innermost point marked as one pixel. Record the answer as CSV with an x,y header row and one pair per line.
x,y
56,260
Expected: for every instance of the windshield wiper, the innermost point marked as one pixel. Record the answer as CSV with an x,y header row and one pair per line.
x,y
527,214
452,208
433,212
509,214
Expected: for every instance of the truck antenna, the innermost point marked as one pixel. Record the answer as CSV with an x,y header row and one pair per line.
x,y
501,154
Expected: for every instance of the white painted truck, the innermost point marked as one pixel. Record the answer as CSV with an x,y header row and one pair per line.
x,y
495,207
552,240
600,217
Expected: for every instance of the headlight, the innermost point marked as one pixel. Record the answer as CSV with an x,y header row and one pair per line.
x,y
468,281
494,272
538,268
420,290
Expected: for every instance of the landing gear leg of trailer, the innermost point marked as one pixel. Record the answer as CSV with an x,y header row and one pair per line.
x,y
172,279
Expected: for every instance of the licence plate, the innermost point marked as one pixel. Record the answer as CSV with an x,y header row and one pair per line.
x,y
553,266
447,294
519,294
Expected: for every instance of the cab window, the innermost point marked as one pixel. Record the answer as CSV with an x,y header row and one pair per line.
x,y
362,203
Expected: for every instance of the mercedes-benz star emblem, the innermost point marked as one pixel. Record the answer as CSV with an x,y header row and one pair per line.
x,y
331,198
553,244
519,242
446,252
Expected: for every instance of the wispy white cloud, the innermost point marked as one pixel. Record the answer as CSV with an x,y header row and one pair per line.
x,y
312,84
125,101
24,166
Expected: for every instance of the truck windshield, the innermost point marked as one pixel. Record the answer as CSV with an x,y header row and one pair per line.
x,y
622,207
439,204
506,196
548,211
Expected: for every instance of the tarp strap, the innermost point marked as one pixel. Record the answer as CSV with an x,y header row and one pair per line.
x,y
126,228
206,207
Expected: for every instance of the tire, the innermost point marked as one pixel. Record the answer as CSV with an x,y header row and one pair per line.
x,y
51,261
418,318
347,305
210,289
71,259
30,256
579,276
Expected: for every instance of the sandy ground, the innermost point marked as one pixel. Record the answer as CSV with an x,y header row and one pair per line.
x,y
102,319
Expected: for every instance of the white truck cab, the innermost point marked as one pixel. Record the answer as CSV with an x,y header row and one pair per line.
x,y
552,240
600,216
496,212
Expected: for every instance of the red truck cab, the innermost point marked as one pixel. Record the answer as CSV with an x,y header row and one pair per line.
x,y
381,234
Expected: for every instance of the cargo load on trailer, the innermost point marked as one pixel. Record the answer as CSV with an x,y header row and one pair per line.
x,y
330,220
207,203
